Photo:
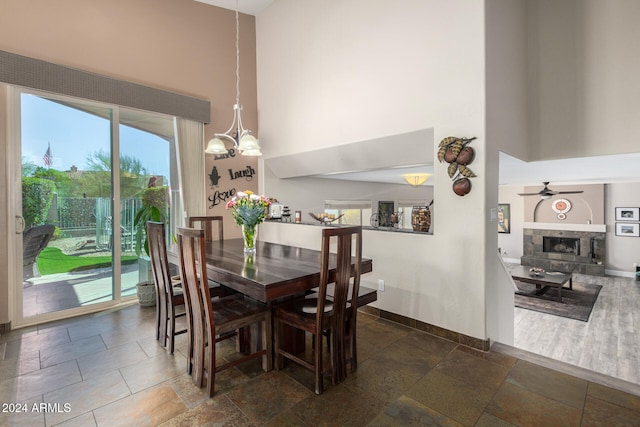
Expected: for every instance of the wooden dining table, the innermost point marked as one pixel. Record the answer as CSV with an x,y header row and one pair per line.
x,y
273,274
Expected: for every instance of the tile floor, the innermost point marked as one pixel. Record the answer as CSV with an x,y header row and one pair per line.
x,y
107,369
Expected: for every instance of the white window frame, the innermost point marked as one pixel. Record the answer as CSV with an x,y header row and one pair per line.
x,y
339,207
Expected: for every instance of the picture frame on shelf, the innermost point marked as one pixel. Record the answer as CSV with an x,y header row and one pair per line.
x,y
627,214
504,218
627,229
385,210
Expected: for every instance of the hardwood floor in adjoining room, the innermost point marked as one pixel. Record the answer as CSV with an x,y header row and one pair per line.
x,y
609,343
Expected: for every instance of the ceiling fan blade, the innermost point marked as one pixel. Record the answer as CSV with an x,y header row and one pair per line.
x,y
547,192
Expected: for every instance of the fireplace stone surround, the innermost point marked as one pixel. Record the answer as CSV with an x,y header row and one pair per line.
x,y
565,251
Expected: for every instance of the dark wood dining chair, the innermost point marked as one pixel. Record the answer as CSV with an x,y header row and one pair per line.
x,y
169,294
365,296
319,314
208,223
169,290
213,320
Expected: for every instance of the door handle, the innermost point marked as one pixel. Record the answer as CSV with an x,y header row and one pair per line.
x,y
19,224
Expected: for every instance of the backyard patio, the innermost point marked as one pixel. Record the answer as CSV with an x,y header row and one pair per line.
x,y
80,286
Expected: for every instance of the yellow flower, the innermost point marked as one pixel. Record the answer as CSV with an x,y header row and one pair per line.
x,y
248,192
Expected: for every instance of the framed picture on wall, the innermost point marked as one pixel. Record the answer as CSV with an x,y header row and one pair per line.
x,y
627,214
627,230
504,218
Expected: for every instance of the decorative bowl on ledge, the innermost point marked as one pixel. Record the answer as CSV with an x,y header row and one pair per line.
x,y
536,271
325,218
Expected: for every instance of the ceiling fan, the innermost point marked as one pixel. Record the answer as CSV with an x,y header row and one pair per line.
x,y
546,193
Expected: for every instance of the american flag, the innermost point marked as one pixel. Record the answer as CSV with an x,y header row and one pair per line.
x,y
48,158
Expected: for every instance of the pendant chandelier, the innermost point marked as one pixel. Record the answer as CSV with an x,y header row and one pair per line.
x,y
241,138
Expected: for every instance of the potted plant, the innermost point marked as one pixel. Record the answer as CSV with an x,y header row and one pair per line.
x,y
154,207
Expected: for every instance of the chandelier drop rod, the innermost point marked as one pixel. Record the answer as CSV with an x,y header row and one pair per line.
x,y
243,141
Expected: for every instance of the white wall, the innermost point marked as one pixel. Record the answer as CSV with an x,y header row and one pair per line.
x,y
584,68
622,251
506,119
335,72
506,50
410,273
510,244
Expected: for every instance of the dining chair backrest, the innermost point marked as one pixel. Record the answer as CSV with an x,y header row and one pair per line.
x,y
155,235
158,253
166,297
232,312
348,266
207,223
192,258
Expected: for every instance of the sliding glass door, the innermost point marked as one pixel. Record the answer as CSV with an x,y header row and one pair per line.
x,y
78,214
147,171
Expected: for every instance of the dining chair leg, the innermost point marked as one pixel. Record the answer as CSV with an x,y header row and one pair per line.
x,y
189,352
198,359
158,315
317,355
211,369
277,342
171,330
267,340
163,323
354,349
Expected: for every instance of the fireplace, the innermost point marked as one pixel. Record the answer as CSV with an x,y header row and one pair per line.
x,y
564,250
561,245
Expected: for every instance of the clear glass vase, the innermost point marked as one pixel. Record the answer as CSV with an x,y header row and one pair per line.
x,y
250,237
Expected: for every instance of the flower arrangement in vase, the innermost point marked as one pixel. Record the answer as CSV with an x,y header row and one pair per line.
x,y
248,211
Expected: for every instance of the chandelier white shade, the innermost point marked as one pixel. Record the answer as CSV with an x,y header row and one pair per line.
x,y
241,138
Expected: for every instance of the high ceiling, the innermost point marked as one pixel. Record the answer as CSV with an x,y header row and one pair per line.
x,y
250,7
592,170
584,170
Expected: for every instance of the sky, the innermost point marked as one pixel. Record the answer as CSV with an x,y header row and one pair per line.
x,y
74,135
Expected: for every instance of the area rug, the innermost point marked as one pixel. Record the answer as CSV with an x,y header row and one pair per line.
x,y
576,304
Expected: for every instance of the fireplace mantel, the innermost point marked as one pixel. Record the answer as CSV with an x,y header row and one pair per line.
x,y
593,228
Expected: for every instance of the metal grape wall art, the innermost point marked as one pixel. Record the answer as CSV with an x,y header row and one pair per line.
x,y
459,155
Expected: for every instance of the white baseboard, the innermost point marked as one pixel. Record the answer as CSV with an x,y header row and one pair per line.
x,y
511,260
620,273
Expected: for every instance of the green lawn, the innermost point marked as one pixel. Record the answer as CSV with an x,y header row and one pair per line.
x,y
53,260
